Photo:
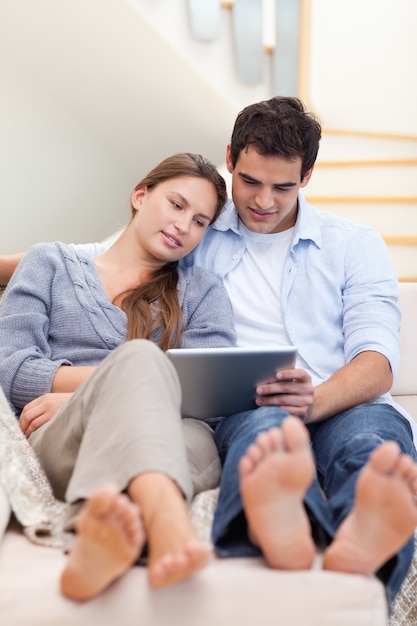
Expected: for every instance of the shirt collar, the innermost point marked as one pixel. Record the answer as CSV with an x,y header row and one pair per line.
x,y
228,218
306,227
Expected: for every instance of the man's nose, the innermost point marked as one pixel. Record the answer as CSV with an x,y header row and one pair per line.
x,y
264,199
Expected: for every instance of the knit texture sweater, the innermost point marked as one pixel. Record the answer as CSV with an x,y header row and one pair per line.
x,y
55,312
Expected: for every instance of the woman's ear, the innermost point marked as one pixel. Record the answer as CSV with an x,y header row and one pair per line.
x,y
137,197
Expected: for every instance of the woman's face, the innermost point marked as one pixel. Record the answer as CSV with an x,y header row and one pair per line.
x,y
172,218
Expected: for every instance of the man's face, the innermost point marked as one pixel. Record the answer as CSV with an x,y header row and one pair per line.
x,y
264,190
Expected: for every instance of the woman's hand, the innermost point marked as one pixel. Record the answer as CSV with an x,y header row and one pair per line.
x,y
292,391
41,410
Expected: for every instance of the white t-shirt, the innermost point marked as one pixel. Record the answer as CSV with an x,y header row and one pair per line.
x,y
257,311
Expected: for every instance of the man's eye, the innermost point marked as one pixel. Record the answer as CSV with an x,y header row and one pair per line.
x,y
199,223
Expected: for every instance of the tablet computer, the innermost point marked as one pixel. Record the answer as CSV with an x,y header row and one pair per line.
x,y
221,381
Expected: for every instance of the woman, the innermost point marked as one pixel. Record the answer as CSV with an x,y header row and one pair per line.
x,y
63,329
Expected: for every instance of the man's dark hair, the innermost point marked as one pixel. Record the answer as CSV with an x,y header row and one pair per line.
x,y
279,127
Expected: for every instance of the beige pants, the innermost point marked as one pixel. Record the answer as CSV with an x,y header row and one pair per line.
x,y
123,421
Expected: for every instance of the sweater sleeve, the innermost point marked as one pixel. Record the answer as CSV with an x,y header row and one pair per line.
x,y
208,316
26,365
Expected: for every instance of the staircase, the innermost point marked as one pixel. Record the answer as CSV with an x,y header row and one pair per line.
x,y
368,177
371,179
95,92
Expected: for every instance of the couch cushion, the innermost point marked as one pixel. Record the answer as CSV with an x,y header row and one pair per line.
x,y
228,591
25,484
406,381
409,403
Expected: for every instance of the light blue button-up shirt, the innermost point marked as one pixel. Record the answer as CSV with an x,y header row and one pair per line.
x,y
339,288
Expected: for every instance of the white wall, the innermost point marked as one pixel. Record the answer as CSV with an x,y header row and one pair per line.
x,y
94,92
91,98
214,60
363,60
55,173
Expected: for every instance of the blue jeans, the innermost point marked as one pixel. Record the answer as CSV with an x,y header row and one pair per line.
x,y
341,446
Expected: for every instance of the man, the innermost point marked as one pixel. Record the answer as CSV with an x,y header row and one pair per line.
x,y
326,285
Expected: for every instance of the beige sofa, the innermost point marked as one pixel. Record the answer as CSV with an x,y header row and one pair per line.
x,y
242,591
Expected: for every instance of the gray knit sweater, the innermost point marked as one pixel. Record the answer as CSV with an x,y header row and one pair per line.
x,y
55,312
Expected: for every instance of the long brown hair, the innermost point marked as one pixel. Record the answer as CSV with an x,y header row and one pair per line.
x,y
153,305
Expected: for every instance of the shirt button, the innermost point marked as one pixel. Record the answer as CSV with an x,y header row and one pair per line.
x,y
234,257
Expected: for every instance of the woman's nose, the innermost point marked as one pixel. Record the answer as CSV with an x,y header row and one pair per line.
x,y
182,224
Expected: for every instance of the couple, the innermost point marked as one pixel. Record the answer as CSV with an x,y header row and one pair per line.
x,y
293,275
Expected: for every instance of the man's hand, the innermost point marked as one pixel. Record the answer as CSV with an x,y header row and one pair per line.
x,y
41,410
292,391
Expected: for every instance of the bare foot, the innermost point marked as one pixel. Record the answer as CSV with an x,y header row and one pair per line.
x,y
384,515
174,550
172,567
109,540
275,474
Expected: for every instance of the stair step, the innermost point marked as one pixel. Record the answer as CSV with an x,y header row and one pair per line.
x,y
387,218
336,145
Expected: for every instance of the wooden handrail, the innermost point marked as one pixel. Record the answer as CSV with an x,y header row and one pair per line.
x,y
362,199
369,133
407,279
400,240
366,163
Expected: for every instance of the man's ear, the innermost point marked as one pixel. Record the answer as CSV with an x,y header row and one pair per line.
x,y
137,197
229,164
307,177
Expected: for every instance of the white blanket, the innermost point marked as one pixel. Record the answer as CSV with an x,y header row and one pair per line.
x,y
24,487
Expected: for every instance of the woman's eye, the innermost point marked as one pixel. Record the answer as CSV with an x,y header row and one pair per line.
x,y
199,223
176,205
